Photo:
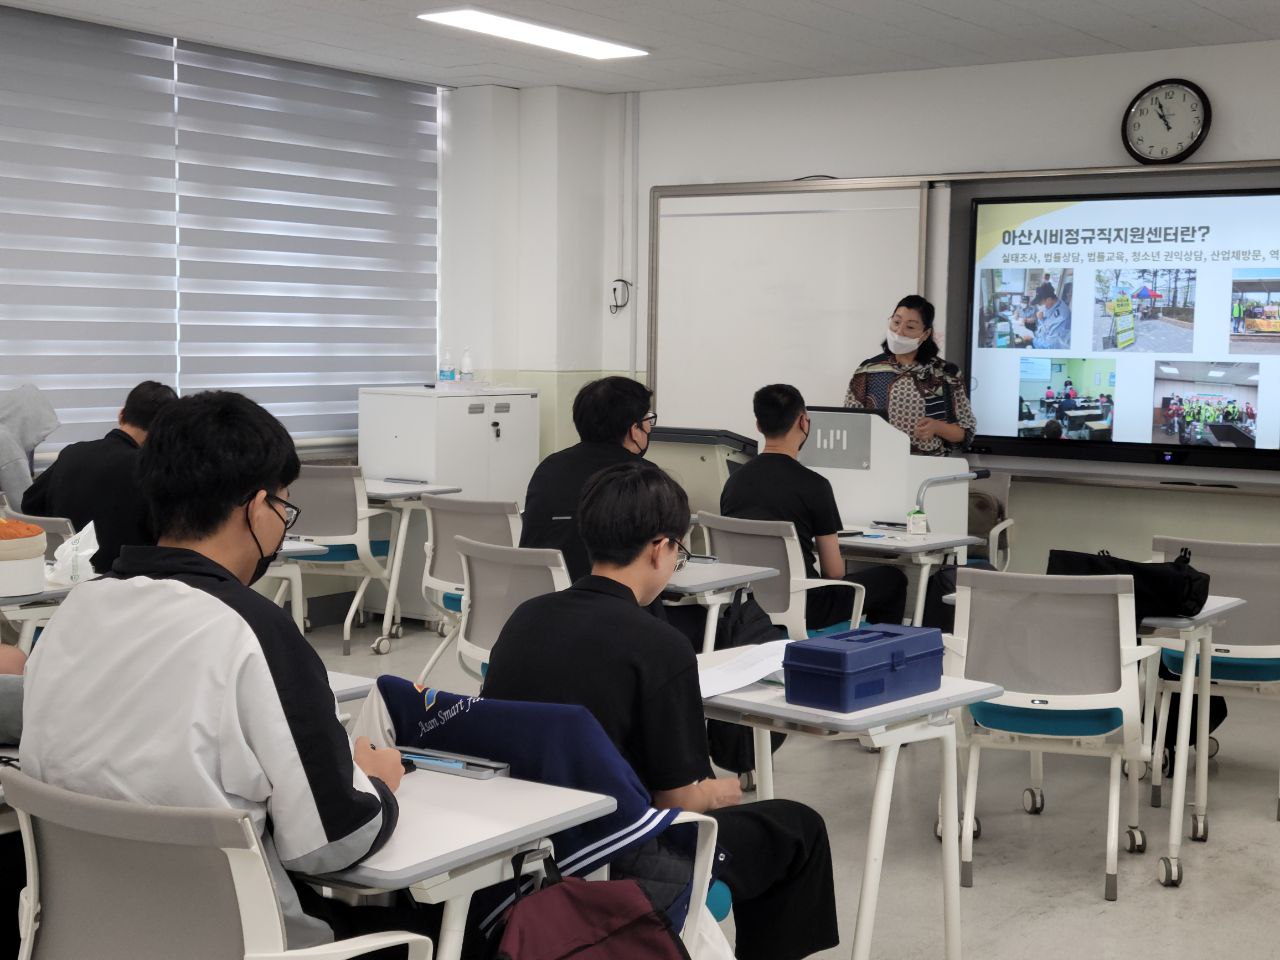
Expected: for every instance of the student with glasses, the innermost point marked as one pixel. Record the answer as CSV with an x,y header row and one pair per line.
x,y
594,645
191,689
613,422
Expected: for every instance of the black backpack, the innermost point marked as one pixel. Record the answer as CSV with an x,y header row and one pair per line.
x,y
1173,589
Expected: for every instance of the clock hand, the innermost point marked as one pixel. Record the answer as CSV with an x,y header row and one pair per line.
x,y
1163,118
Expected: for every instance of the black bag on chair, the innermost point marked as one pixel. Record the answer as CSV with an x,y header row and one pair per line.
x,y
1174,589
743,623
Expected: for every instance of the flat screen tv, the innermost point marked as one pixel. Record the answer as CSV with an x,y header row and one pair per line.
x,y
1136,328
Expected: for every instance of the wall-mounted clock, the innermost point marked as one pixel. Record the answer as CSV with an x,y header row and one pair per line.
x,y
1166,122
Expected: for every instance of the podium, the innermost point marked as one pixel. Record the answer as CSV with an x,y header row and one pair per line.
x,y
875,475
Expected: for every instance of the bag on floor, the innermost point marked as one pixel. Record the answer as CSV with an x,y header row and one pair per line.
x,y
743,623
1173,589
585,920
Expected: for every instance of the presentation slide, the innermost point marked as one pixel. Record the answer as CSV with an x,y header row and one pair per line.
x,y
1151,320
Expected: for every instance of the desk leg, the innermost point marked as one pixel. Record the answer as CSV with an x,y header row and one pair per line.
x,y
709,628
1182,745
950,841
1204,675
452,928
764,763
27,635
870,891
921,586
393,578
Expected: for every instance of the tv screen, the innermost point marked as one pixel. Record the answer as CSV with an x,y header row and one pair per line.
x,y
1142,328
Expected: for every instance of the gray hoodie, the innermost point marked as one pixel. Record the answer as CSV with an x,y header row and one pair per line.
x,y
26,419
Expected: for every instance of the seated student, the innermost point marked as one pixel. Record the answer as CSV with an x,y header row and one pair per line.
x,y
776,486
594,645
1052,430
197,691
26,419
613,422
96,481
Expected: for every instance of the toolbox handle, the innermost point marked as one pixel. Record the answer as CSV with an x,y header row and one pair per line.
x,y
897,660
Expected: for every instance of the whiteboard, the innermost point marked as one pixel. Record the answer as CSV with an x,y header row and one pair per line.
x,y
792,287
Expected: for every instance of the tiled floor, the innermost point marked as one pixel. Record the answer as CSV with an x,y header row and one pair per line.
x,y
1038,880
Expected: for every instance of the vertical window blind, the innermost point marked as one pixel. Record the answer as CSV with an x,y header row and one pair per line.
x,y
211,219
87,220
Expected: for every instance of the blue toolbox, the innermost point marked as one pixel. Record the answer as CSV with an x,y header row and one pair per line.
x,y
862,668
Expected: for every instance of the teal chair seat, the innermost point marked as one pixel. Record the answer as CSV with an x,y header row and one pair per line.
x,y
346,552
1046,723
453,602
1239,669
841,627
719,900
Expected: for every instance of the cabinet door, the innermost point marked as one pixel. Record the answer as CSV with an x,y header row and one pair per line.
x,y
513,446
463,444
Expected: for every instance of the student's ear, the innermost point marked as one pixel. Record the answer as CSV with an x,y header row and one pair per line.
x,y
120,417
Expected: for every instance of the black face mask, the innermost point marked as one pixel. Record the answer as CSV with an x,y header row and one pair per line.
x,y
806,438
265,560
647,441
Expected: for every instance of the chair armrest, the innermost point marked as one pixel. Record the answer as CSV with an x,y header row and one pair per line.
x,y
419,948
703,860
993,541
1137,654
859,595
370,512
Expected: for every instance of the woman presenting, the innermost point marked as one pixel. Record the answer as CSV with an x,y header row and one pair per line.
x,y
920,392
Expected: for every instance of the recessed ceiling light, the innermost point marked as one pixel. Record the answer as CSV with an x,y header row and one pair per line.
x,y
523,32
1164,369
1217,373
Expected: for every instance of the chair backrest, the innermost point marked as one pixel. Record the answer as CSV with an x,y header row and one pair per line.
x,y
484,521
120,881
330,499
57,530
497,580
1250,571
985,511
1033,633
759,543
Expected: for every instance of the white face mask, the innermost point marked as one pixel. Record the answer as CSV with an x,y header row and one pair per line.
x,y
899,344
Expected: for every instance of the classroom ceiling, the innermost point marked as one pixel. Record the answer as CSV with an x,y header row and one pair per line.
x,y
692,43
1235,374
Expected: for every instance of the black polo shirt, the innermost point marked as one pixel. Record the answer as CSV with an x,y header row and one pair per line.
x,y
551,503
595,646
96,480
775,486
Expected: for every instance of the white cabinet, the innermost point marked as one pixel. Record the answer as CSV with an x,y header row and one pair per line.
x,y
484,440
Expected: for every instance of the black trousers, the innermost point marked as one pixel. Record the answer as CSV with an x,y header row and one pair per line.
x,y
348,921
778,867
886,600
13,877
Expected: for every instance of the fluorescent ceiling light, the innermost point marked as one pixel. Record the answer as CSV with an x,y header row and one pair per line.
x,y
1164,369
522,32
1254,377
1217,373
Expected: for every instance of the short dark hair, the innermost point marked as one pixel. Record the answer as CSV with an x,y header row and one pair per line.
x,y
777,407
1052,430
144,401
605,409
929,349
627,506
207,454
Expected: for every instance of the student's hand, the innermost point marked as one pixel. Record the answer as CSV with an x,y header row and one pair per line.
x,y
383,764
926,428
724,792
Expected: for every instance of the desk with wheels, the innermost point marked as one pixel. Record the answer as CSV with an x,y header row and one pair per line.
x,y
1193,638
919,553
763,707
712,585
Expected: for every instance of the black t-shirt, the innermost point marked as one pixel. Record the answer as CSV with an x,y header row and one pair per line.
x,y
775,486
551,502
593,645
97,480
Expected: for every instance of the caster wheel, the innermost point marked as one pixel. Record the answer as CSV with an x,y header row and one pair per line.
x,y
747,781
1166,763
1213,747
1135,840
397,631
362,620
1199,827
381,645
1169,872
306,624
1143,769
977,828
1033,800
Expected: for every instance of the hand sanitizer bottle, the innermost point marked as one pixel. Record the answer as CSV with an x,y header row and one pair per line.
x,y
447,371
465,371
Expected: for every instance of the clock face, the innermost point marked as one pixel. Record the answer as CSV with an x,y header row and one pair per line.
x,y
1166,122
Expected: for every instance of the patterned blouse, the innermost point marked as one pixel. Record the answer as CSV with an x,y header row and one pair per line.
x,y
931,389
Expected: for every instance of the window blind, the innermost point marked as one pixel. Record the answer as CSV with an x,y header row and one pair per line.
x,y
307,233
87,219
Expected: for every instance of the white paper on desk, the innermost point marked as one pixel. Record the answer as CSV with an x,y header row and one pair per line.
x,y
752,664
71,561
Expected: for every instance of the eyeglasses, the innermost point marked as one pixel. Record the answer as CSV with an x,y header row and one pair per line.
x,y
651,420
682,552
291,512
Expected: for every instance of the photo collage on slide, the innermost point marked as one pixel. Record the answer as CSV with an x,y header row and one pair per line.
x,y
1151,320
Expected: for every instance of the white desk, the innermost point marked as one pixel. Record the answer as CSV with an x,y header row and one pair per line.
x,y
1190,633
404,496
348,686
921,553
293,548
456,836
712,585
763,707
30,612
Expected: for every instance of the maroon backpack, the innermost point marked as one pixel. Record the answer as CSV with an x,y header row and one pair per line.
x,y
585,920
